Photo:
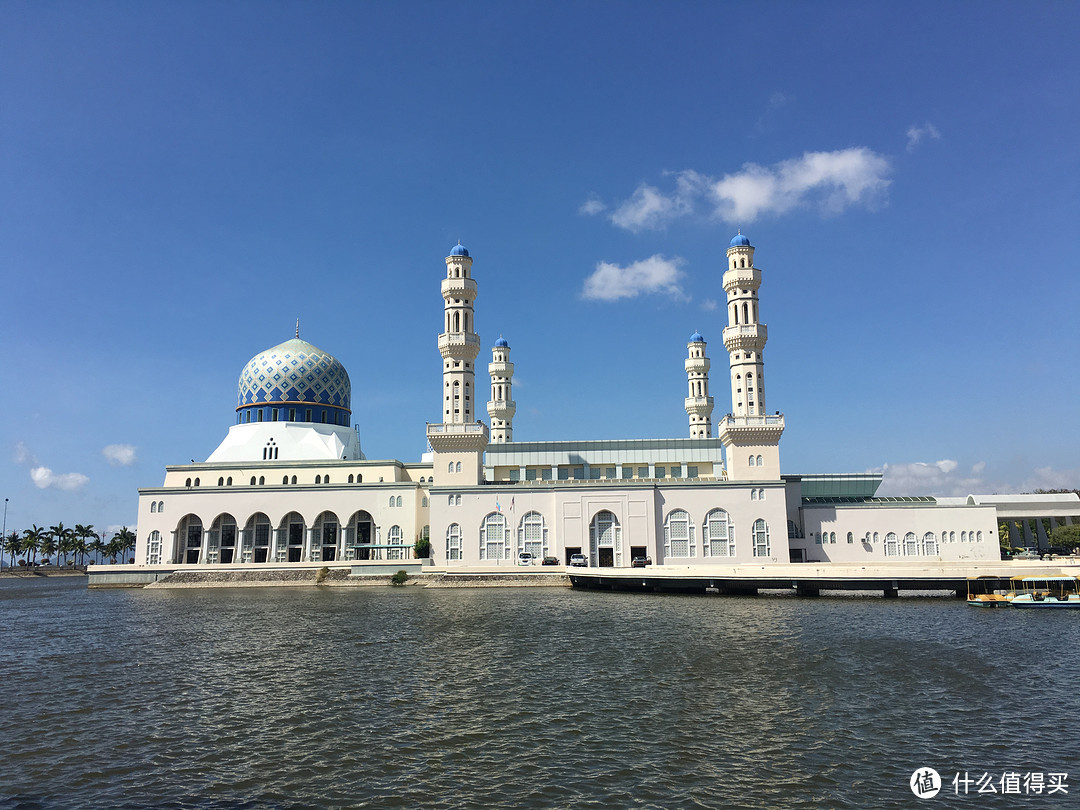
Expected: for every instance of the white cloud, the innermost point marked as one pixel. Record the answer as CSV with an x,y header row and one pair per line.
x,y
1049,478
45,478
827,181
592,206
610,282
916,134
930,478
23,455
119,455
709,304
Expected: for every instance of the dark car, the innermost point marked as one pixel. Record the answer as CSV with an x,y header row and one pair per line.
x,y
550,561
640,562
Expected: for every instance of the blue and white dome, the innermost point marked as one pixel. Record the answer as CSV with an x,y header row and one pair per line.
x,y
697,338
459,250
294,382
501,343
739,240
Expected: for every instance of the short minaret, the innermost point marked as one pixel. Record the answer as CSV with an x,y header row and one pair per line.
x,y
501,407
751,437
699,405
458,442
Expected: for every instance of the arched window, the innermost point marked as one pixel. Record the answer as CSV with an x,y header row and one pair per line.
x,y
963,537
424,502
832,537
892,545
494,538
161,506
153,507
718,535
196,482
284,479
457,500
759,463
753,494
978,538
262,480
751,462
359,478
850,537
391,501
678,534
457,467
393,538
318,480
253,480
292,480
449,500
605,539
153,548
532,535
398,502
450,467
350,479
453,542
952,537
930,547
326,479
876,537
911,545
221,481
761,538
187,483
228,481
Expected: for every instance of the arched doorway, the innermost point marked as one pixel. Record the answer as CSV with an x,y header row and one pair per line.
x,y
291,538
605,540
189,539
324,543
256,539
360,536
221,541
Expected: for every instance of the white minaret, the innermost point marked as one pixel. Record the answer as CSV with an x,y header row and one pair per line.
x,y
745,336
459,344
501,407
458,442
699,405
751,438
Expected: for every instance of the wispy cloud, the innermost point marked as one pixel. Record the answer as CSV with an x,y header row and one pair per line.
x,y
610,282
43,477
119,455
916,134
943,478
709,304
827,181
592,206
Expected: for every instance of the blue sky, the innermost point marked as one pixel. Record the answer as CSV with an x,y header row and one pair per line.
x,y
180,181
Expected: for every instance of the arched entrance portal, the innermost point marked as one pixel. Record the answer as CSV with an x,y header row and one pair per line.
x,y
189,533
324,541
605,540
360,536
257,539
291,538
221,544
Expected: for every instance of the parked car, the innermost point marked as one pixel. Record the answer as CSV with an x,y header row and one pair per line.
x,y
640,562
525,558
579,561
550,561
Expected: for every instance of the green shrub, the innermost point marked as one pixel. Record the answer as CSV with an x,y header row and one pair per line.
x,y
399,578
422,549
321,575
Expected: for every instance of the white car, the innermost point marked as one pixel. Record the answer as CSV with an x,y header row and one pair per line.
x,y
579,561
525,558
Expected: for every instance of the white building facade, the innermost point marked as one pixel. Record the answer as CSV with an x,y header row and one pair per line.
x,y
290,483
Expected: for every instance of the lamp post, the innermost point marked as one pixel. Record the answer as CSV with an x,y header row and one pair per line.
x,y
3,535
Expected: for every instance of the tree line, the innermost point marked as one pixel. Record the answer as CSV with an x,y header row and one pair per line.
x,y
60,544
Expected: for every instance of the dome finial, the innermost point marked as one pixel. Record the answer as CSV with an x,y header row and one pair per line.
x,y
298,327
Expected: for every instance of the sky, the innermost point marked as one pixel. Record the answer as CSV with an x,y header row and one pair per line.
x,y
181,181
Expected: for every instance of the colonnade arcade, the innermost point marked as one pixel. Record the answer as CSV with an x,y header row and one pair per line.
x,y
292,539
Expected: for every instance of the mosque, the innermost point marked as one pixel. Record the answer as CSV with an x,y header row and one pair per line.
x,y
291,484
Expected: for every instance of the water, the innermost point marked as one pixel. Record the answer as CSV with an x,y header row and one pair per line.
x,y
523,697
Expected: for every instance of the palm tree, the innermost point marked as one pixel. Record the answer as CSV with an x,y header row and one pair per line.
x,y
31,541
125,540
59,535
97,546
12,545
82,547
47,545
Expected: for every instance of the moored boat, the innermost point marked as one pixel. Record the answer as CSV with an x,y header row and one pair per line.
x,y
1045,592
984,591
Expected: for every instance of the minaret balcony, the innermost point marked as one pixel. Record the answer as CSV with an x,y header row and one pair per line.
x,y
448,437
459,288
501,409
750,337
742,278
697,365
699,404
501,369
459,344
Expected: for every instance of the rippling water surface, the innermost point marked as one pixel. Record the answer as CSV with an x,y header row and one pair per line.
x,y
523,697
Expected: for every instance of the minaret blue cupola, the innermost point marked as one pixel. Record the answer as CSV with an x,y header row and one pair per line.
x,y
697,338
739,240
459,250
294,382
501,343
